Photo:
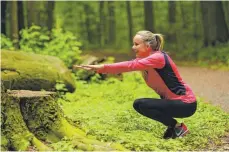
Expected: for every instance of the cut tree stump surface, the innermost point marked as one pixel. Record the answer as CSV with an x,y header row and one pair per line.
x,y
29,94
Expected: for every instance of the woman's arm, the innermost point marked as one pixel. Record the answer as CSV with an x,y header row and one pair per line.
x,y
153,61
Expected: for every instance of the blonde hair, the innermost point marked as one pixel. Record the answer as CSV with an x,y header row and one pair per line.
x,y
155,41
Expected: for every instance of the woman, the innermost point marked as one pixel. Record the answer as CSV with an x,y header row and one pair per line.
x,y
160,73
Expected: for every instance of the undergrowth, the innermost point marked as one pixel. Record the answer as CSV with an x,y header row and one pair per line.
x,y
104,109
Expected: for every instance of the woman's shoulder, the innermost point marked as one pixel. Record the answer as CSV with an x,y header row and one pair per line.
x,y
157,54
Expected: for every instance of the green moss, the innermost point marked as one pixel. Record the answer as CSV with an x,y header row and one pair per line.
x,y
45,119
22,70
15,128
39,145
4,143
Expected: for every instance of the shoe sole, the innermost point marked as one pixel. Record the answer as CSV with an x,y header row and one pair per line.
x,y
184,134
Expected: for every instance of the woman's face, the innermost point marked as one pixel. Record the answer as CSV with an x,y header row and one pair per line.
x,y
140,48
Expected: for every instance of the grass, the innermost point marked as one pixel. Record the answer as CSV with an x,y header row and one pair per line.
x,y
104,110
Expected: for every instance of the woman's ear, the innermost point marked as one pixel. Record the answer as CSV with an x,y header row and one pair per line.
x,y
147,46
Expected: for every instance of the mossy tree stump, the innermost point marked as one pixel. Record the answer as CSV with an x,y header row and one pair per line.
x,y
31,119
34,119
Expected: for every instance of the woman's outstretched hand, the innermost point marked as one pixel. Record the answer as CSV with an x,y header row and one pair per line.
x,y
89,67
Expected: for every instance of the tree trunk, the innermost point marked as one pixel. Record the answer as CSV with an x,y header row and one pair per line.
x,y
214,25
195,32
32,11
221,26
3,17
172,21
112,30
20,73
226,12
87,23
184,20
14,128
130,22
21,24
102,23
149,16
51,5
14,23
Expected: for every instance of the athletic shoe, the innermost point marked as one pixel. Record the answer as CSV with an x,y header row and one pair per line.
x,y
169,133
181,130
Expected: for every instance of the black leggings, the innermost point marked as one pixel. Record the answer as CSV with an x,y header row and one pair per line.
x,y
164,110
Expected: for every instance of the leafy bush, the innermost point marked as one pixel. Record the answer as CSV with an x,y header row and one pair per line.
x,y
215,54
6,43
105,110
56,43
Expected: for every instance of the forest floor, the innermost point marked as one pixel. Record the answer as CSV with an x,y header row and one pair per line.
x,y
211,85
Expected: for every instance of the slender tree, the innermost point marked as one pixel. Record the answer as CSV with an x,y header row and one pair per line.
x,y
172,21
102,23
112,31
130,22
149,15
14,23
221,26
88,22
21,23
184,19
51,5
3,16
214,25
32,12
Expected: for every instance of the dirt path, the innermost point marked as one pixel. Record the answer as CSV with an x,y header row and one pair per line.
x,y
212,85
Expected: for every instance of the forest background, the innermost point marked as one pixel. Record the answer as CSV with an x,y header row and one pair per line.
x,y
194,31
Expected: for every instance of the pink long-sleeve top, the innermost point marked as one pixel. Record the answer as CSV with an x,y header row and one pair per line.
x,y
160,74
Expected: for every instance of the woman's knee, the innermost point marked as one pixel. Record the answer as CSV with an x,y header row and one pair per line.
x,y
137,103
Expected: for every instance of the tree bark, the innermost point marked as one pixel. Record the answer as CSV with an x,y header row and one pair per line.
x,y
14,128
112,30
221,26
14,23
130,22
214,25
102,23
32,11
149,16
21,24
172,21
87,23
3,16
184,20
51,5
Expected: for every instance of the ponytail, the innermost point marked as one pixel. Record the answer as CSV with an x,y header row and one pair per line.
x,y
160,41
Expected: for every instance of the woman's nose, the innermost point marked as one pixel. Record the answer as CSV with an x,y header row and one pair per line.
x,y
133,48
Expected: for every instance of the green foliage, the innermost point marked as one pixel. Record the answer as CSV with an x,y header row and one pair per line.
x,y
215,54
183,39
56,43
6,43
105,110
60,86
